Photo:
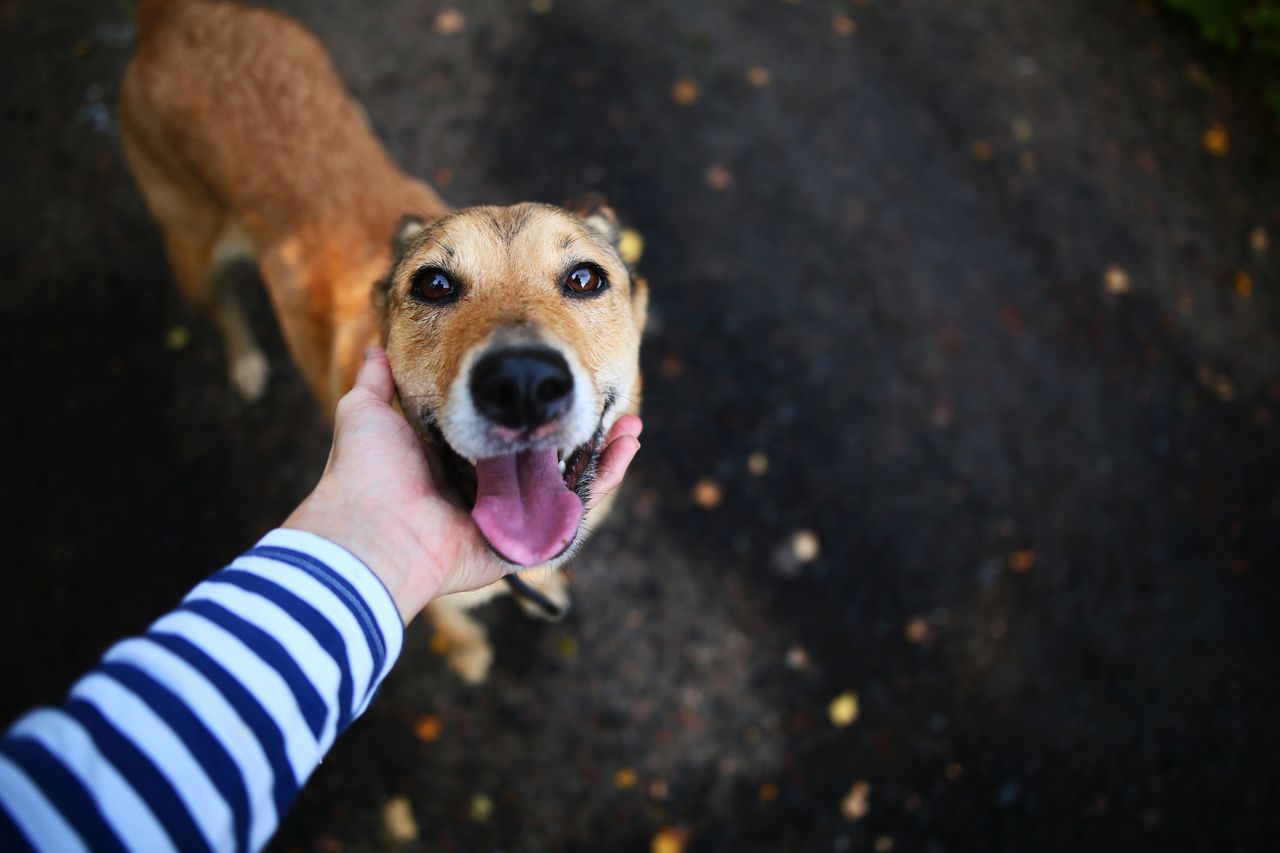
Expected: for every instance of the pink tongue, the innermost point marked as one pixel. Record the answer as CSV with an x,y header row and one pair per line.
x,y
524,508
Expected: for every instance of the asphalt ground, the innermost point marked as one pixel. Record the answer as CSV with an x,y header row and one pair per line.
x,y
989,290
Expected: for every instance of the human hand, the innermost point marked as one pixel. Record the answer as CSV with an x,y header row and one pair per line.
x,y
378,497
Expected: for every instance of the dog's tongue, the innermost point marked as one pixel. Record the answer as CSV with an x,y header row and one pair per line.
x,y
524,508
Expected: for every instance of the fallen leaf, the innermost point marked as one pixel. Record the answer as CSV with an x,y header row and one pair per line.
x,y
1029,162
843,25
768,792
669,840
1116,280
450,22
1259,240
481,807
982,151
398,822
856,803
707,493
1242,283
1022,560
567,645
685,92
757,464
843,709
718,177
805,545
953,770
672,366
540,7
797,658
624,779
1021,129
444,176
883,844
1215,140
630,245
758,76
177,338
428,728
916,630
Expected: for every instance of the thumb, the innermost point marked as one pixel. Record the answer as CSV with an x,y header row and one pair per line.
x,y
375,375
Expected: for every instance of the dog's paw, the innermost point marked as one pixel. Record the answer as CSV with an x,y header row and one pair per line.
x,y
471,662
250,373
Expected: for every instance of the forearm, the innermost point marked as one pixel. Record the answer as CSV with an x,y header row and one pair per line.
x,y
199,734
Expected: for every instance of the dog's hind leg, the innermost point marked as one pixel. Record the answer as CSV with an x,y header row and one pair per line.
x,y
202,242
247,364
202,265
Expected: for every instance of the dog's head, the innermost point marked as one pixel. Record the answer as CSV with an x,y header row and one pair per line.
x,y
514,337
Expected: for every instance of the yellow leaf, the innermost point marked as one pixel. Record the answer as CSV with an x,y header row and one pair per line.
x,y
844,709
1242,283
856,804
630,245
669,840
398,822
1023,560
805,545
685,92
1216,141
428,728
707,493
481,807
758,76
450,22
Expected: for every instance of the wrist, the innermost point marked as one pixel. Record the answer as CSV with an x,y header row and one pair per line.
x,y
390,554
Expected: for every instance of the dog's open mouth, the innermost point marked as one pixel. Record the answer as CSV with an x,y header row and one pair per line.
x,y
528,504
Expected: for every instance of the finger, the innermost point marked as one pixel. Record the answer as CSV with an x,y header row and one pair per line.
x,y
375,375
613,466
625,425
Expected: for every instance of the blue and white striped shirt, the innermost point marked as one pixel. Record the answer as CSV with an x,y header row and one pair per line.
x,y
199,734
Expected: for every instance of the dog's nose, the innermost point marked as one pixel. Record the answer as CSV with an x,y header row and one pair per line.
x,y
522,388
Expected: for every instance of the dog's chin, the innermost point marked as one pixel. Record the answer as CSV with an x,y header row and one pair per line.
x,y
561,535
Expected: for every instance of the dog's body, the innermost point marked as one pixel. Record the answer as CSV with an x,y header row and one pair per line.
x,y
245,144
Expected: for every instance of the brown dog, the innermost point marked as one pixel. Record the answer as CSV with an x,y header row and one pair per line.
x,y
513,332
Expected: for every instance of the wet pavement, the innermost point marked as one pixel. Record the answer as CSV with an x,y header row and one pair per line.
x,y
988,289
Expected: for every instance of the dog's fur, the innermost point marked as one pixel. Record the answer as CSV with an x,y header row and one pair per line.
x,y
246,145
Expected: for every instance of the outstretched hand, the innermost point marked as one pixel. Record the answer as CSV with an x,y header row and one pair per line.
x,y
379,497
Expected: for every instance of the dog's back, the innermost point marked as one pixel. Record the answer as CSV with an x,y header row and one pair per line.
x,y
293,175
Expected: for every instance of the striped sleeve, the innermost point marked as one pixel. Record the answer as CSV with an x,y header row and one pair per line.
x,y
198,734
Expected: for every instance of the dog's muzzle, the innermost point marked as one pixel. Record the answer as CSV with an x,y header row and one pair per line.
x,y
522,388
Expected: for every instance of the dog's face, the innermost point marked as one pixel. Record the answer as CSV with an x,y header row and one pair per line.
x,y
514,337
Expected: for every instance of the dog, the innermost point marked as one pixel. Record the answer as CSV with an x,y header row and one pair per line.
x,y
513,332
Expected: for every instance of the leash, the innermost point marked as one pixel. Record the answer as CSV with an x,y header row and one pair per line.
x,y
533,595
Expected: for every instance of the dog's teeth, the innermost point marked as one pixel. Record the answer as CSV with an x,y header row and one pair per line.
x,y
561,466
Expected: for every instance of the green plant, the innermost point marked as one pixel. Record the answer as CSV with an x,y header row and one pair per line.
x,y
1248,28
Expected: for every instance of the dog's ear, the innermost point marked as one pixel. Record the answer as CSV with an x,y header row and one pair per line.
x,y
407,230
595,211
640,301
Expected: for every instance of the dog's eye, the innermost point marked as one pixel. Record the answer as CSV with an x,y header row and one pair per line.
x,y
584,279
432,284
